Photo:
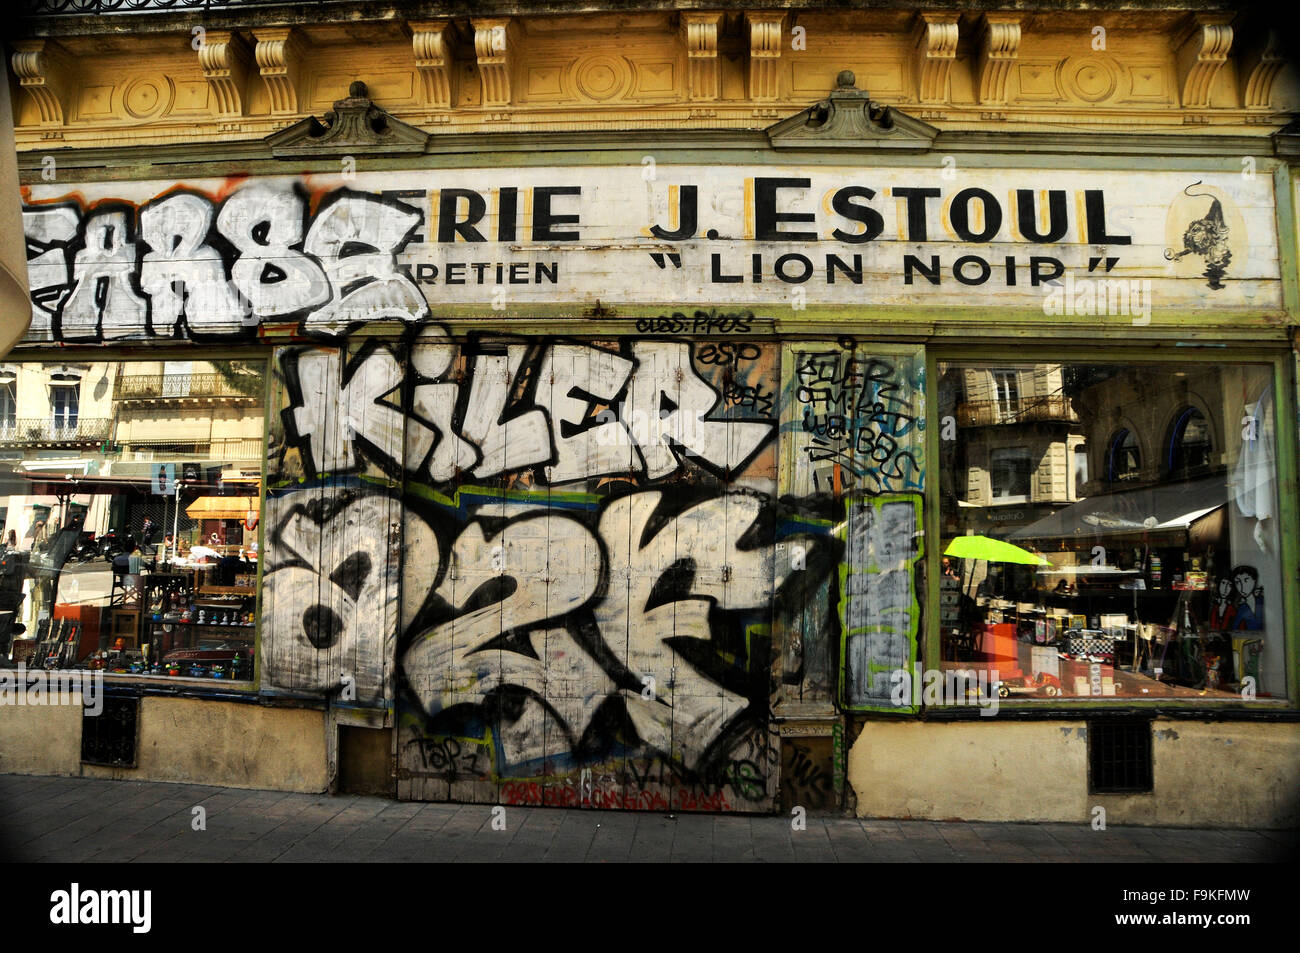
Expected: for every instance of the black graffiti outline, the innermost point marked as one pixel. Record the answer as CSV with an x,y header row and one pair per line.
x,y
364,450
47,301
754,682
78,244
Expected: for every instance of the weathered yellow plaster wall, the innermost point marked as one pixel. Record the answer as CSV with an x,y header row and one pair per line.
x,y
40,740
1211,774
609,71
181,739
1206,774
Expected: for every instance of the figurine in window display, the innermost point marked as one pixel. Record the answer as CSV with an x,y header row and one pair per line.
x,y
1224,606
1250,599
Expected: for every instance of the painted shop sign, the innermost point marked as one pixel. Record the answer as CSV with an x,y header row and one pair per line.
x,y
219,257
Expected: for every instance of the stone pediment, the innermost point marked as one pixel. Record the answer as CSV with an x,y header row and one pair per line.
x,y
849,119
354,126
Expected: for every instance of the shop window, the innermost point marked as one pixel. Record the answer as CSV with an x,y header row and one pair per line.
x,y
1124,461
142,564
1189,443
1010,473
1166,590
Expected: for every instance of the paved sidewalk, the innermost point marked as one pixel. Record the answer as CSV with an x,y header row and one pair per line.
x,y
82,819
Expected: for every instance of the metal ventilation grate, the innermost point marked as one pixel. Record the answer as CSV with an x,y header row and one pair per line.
x,y
1119,756
109,737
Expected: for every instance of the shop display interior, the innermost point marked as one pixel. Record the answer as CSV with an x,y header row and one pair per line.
x,y
132,546
1110,531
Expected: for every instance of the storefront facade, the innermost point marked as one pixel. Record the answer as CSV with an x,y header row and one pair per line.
x,y
900,453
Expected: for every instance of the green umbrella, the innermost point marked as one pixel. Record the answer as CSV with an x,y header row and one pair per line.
x,y
993,550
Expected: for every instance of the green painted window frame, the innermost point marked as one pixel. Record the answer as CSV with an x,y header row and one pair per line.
x,y
1285,364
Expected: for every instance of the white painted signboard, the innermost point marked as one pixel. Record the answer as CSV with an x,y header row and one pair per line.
x,y
219,257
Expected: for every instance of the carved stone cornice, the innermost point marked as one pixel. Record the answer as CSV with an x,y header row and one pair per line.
x,y
1260,64
700,37
998,49
224,59
934,50
355,126
41,68
431,43
279,55
1202,49
493,40
849,119
764,53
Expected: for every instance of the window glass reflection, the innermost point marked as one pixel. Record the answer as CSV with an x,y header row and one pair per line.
x,y
1140,578
129,504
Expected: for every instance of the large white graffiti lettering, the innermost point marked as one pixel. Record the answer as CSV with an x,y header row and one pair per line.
x,y
181,265
595,564
330,590
512,596
336,411
659,412
701,547
182,274
103,300
50,230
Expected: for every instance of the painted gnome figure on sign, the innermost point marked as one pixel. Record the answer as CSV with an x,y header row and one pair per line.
x,y
1207,237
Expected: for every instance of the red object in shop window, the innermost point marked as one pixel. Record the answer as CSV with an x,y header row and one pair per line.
x,y
999,645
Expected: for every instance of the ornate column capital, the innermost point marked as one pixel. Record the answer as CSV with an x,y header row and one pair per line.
x,y
493,42
41,68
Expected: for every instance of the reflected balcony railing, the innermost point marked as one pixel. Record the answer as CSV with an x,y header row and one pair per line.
x,y
989,413
56,430
158,386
